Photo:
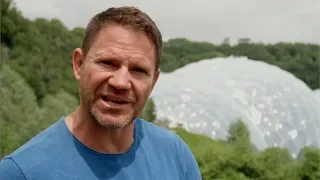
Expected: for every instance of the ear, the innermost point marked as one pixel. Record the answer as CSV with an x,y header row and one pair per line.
x,y
77,62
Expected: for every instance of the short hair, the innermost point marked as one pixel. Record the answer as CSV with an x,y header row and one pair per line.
x,y
127,16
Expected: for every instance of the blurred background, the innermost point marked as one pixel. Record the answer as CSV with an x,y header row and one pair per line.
x,y
240,80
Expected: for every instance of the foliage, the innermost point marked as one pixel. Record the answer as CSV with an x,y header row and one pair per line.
x,y
53,107
46,46
149,113
20,111
37,87
309,165
300,59
222,160
239,136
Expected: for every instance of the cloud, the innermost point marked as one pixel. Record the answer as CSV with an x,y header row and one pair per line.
x,y
267,21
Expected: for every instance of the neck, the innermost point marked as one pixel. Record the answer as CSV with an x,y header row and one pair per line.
x,y
97,137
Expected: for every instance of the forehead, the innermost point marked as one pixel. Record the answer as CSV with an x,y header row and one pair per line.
x,y
122,42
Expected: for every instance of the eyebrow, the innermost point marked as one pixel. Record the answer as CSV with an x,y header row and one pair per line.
x,y
141,63
99,55
138,61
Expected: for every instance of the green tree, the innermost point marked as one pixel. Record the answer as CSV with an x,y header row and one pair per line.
x,y
308,167
277,164
38,87
19,111
12,22
55,106
149,113
239,136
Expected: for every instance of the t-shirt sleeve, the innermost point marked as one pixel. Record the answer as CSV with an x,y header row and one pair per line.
x,y
191,168
9,170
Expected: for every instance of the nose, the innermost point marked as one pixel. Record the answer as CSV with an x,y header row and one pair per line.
x,y
120,79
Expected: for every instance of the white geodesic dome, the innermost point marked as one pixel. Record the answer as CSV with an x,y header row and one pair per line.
x,y
206,96
317,94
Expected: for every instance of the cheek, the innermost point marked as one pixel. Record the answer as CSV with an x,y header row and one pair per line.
x,y
143,88
94,77
90,82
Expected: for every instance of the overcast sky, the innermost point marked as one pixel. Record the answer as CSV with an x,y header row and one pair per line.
x,y
266,21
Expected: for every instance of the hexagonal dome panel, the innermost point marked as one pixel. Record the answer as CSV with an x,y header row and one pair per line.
x,y
206,96
317,94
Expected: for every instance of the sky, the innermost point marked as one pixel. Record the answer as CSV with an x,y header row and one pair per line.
x,y
267,21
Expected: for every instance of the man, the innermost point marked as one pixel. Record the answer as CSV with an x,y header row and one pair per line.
x,y
103,139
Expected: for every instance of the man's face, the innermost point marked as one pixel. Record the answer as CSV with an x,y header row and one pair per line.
x,y
117,75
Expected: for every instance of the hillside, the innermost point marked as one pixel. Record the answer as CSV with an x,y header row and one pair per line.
x,y
47,45
38,87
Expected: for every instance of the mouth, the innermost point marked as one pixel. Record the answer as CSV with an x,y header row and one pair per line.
x,y
113,101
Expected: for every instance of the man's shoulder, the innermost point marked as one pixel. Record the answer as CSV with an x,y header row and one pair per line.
x,y
161,135
10,170
163,140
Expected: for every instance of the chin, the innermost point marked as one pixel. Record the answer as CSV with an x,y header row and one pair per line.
x,y
112,117
113,121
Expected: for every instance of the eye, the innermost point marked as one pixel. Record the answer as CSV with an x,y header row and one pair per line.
x,y
106,63
139,70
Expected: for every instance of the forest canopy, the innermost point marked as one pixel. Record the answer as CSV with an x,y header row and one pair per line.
x,y
37,81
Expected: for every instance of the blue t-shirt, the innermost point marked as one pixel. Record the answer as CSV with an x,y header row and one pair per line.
x,y
55,154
